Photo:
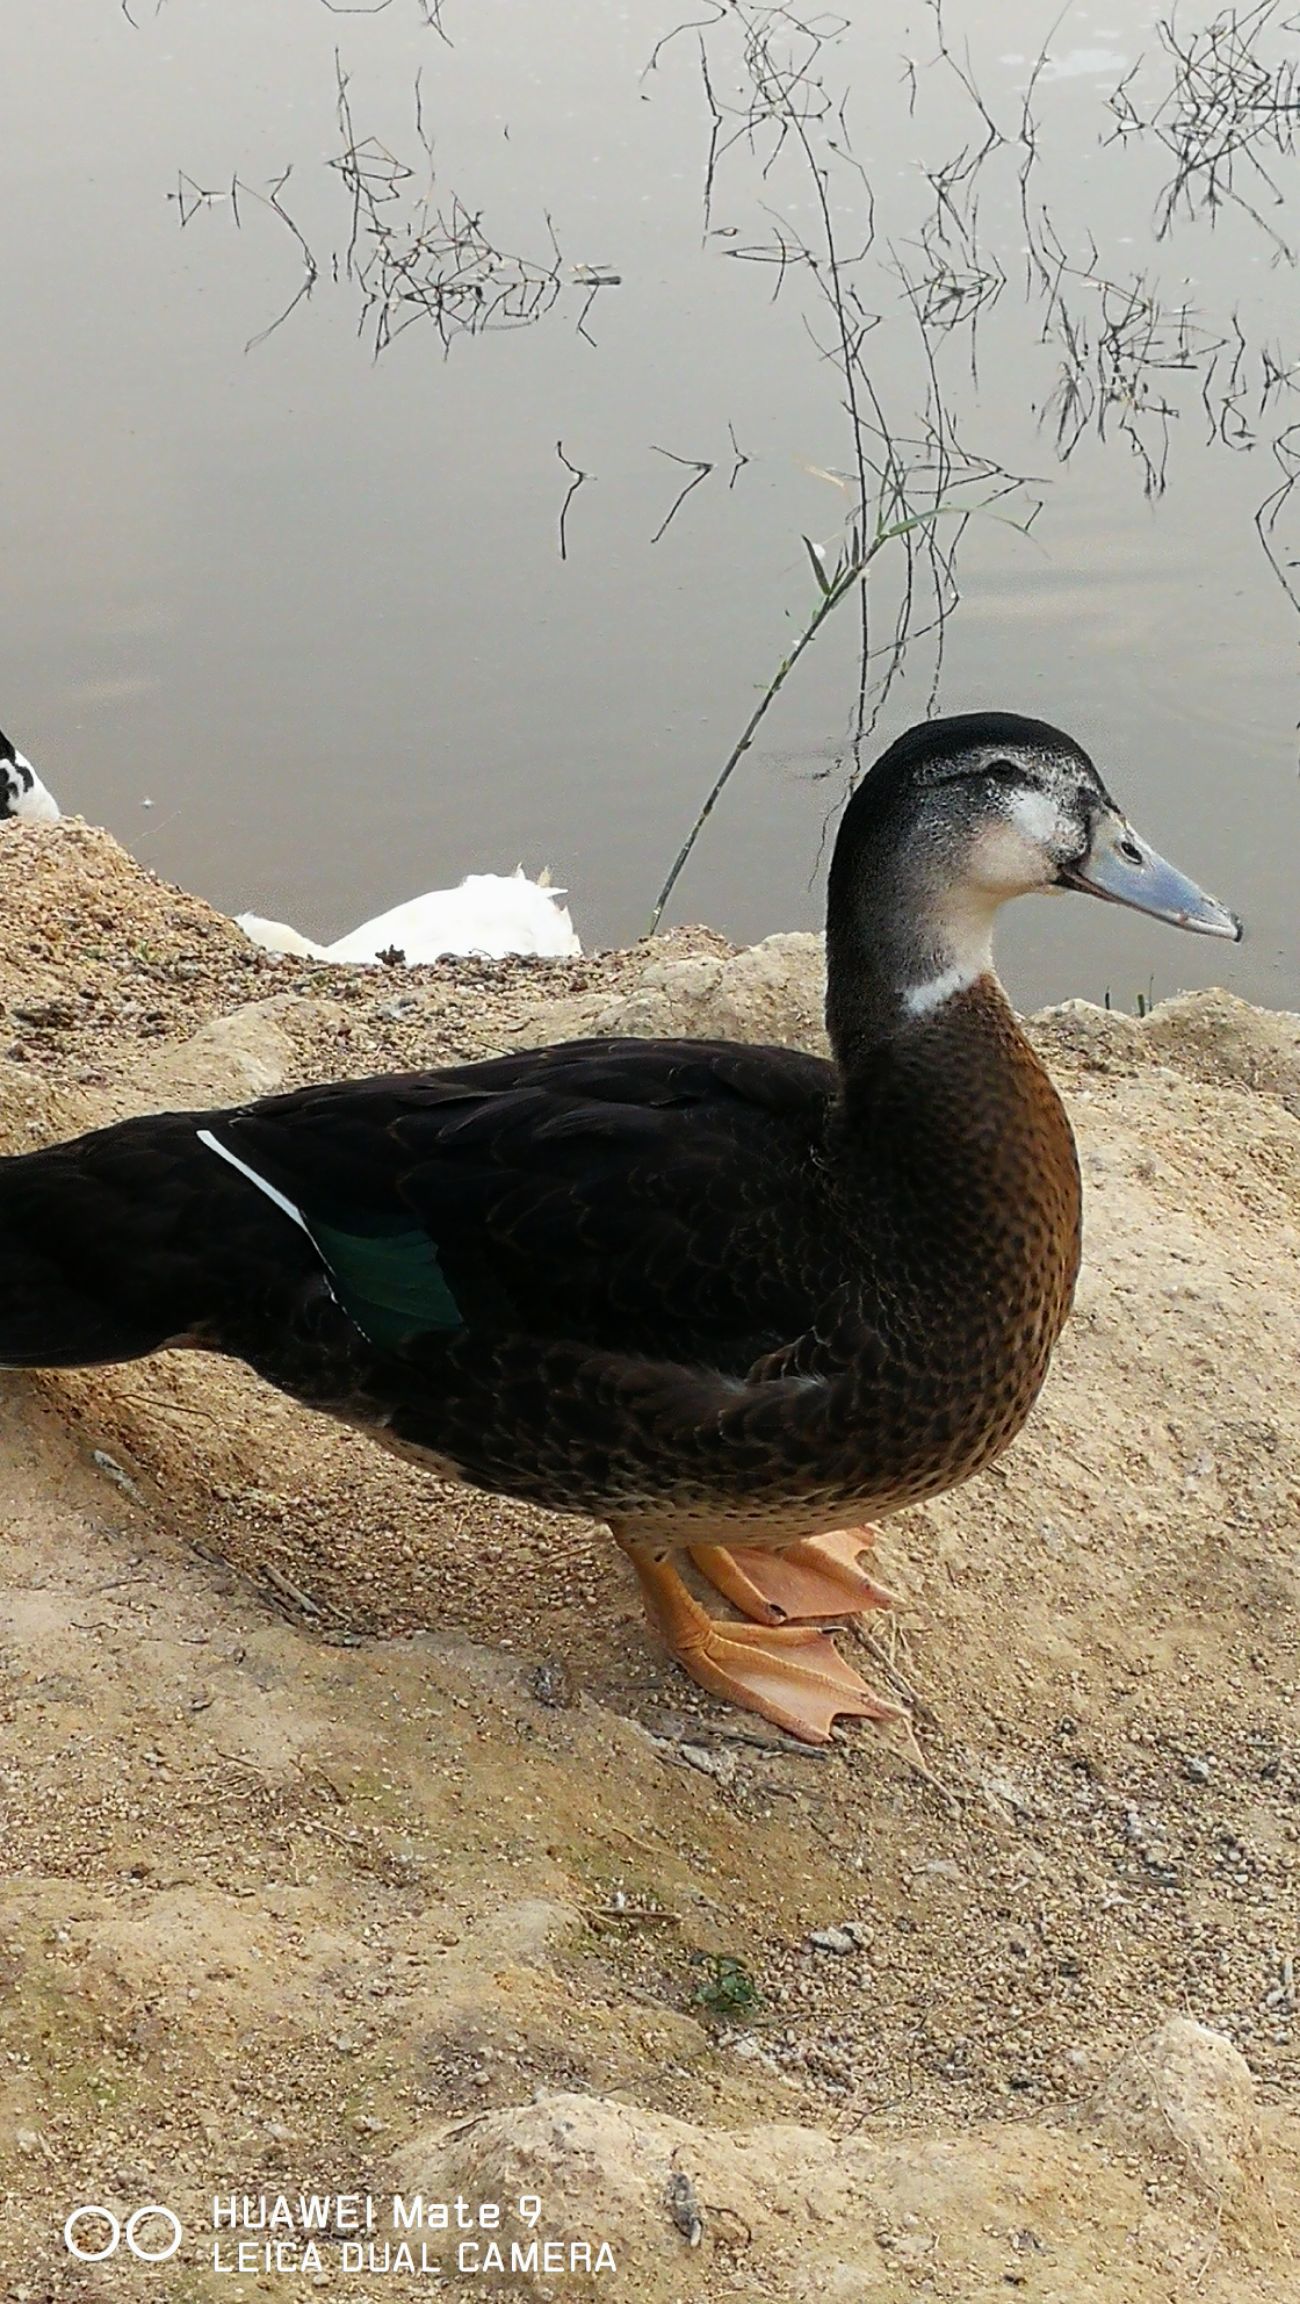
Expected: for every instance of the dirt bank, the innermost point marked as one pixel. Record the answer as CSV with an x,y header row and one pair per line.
x,y
360,1841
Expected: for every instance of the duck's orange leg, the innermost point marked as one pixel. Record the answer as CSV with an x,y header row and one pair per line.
x,y
792,1675
814,1580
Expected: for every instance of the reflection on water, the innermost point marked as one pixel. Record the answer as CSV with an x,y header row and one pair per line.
x,y
313,604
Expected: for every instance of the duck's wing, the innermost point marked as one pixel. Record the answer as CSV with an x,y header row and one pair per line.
x,y
662,1197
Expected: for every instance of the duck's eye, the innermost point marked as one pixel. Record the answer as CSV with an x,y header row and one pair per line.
x,y
1005,772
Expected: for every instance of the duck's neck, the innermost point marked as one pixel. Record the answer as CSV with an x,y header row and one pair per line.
x,y
895,955
947,1107
958,1141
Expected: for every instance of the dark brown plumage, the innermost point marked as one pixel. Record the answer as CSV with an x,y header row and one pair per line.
x,y
725,1298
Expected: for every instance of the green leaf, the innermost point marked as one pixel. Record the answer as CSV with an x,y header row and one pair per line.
x,y
823,581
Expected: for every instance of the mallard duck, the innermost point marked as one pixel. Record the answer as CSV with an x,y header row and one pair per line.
x,y
22,793
490,913
736,1302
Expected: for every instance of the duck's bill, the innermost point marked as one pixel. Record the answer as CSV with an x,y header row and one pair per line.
x,y
1122,869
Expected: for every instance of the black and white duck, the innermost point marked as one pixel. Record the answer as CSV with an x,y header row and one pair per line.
x,y
736,1302
22,793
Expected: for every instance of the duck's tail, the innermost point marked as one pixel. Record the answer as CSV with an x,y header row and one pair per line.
x,y
85,1276
133,1238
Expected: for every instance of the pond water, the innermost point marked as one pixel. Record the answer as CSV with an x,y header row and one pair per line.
x,y
310,602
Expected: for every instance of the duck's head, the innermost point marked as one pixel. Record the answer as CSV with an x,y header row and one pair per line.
x,y
955,819
22,793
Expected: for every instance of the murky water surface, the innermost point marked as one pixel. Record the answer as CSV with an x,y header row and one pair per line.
x,y
311,603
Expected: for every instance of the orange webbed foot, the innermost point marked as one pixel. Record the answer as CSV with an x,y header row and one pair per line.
x,y
815,1580
792,1675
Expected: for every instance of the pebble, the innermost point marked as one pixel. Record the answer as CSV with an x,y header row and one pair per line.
x,y
721,1765
850,1936
684,2208
120,1479
552,1683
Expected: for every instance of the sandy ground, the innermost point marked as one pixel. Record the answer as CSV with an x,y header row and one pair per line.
x,y
360,1842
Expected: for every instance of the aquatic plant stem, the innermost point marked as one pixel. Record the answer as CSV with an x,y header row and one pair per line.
x,y
835,587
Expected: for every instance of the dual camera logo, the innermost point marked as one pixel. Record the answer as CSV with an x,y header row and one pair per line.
x,y
152,2234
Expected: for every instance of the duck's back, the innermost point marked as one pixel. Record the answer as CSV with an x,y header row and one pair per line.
x,y
665,1198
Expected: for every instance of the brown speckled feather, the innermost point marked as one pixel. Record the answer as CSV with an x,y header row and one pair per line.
x,y
946,1189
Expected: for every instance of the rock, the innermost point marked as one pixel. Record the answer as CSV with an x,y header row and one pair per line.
x,y
1104,1037
531,1928
839,1940
605,2171
1215,1037
1186,2095
773,991
247,1053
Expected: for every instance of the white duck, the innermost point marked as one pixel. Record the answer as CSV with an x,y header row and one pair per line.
x,y
490,913
22,793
